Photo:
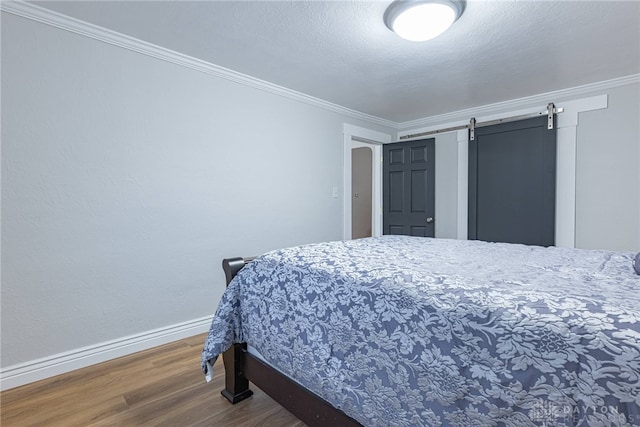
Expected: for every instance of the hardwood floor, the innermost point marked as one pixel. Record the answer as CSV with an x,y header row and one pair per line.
x,y
163,386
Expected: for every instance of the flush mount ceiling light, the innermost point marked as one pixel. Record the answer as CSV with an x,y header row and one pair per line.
x,y
421,20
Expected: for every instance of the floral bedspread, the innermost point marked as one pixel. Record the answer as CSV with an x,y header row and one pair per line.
x,y
412,331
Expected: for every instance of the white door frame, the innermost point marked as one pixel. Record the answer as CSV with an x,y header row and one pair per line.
x,y
354,136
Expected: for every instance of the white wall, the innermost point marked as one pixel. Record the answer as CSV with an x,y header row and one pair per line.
x,y
126,179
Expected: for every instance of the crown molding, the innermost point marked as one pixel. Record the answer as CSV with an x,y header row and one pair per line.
x,y
518,104
54,19
64,22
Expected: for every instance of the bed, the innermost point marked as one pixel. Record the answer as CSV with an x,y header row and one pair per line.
x,y
414,331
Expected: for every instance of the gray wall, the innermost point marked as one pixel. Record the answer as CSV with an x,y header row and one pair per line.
x,y
608,173
127,179
446,186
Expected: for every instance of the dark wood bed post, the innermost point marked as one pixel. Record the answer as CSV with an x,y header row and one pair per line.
x,y
236,385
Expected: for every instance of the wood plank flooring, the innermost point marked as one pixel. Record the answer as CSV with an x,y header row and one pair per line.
x,y
163,386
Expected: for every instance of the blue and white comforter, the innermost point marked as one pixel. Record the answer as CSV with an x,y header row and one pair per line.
x,y
405,331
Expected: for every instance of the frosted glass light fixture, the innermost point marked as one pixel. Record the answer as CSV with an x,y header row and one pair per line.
x,y
421,20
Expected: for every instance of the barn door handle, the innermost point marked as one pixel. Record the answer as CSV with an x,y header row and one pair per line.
x,y
429,220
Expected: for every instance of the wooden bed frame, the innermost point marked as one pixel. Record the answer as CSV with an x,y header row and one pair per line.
x,y
241,367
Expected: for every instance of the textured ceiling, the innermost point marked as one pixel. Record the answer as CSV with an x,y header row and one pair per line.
x,y
341,51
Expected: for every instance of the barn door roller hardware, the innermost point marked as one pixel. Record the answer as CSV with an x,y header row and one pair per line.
x,y
549,112
472,129
551,109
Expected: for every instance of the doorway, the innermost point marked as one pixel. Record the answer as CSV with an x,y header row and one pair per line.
x,y
361,192
355,137
365,210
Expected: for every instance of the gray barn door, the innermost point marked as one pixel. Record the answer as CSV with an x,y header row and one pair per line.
x,y
408,188
512,181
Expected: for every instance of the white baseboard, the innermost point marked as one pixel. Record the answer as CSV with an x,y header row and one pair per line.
x,y
46,367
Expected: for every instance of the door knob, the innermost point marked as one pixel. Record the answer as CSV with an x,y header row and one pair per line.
x,y
429,220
